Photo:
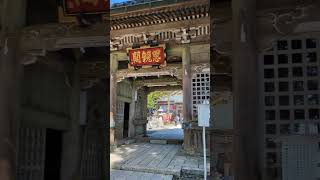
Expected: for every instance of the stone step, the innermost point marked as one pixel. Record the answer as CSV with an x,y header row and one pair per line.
x,y
158,141
176,172
192,172
134,175
130,141
174,141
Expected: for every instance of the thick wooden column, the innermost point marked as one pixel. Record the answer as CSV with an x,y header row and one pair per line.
x,y
187,96
71,147
113,96
245,88
12,20
9,80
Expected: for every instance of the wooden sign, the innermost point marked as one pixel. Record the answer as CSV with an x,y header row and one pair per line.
x,y
152,56
76,7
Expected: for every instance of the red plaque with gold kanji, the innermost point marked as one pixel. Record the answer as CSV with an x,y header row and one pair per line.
x,y
146,56
74,7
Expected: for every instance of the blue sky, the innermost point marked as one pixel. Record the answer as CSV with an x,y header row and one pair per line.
x,y
117,1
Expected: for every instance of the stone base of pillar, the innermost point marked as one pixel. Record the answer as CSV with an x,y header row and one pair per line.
x,y
221,148
193,144
112,139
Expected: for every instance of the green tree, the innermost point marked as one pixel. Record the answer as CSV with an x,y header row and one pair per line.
x,y
154,97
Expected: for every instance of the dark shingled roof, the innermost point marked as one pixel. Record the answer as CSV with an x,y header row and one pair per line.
x,y
133,5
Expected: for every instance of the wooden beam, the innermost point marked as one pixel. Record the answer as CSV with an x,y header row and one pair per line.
x,y
165,88
35,118
60,36
168,70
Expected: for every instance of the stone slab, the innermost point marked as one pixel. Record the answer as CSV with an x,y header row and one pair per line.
x,y
155,141
156,159
132,175
130,141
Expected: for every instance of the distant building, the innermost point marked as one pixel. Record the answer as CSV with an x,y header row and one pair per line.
x,y
175,104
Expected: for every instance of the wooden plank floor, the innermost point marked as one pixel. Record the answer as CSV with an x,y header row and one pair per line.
x,y
153,158
132,175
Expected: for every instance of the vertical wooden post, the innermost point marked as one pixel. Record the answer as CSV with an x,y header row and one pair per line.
x,y
12,20
71,151
113,95
187,98
9,80
246,141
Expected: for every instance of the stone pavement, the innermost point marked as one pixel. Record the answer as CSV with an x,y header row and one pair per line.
x,y
133,175
167,133
156,159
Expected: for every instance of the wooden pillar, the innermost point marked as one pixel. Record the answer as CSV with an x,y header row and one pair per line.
x,y
12,20
246,135
113,95
9,79
132,111
71,148
187,96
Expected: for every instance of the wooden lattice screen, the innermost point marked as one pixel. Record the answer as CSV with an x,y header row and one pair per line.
x,y
91,165
200,94
31,154
289,85
200,90
119,119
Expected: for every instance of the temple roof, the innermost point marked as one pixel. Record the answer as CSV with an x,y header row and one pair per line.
x,y
133,5
148,12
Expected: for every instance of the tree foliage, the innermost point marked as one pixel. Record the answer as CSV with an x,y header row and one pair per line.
x,y
155,96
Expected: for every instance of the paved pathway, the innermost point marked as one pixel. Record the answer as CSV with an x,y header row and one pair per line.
x,y
132,175
167,133
154,158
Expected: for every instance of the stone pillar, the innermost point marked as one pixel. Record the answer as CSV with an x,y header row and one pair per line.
x,y
71,147
113,95
187,96
246,131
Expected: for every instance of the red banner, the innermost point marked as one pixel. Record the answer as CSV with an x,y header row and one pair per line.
x,y
86,6
147,56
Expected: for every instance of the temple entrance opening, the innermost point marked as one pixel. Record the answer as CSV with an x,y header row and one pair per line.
x,y
53,154
126,120
165,116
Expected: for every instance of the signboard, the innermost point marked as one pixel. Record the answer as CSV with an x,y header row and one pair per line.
x,y
203,120
75,7
146,56
203,115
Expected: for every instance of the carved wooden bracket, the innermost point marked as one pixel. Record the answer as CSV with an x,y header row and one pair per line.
x,y
277,24
178,35
200,68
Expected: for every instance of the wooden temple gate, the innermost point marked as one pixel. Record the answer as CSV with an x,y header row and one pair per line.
x,y
185,30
